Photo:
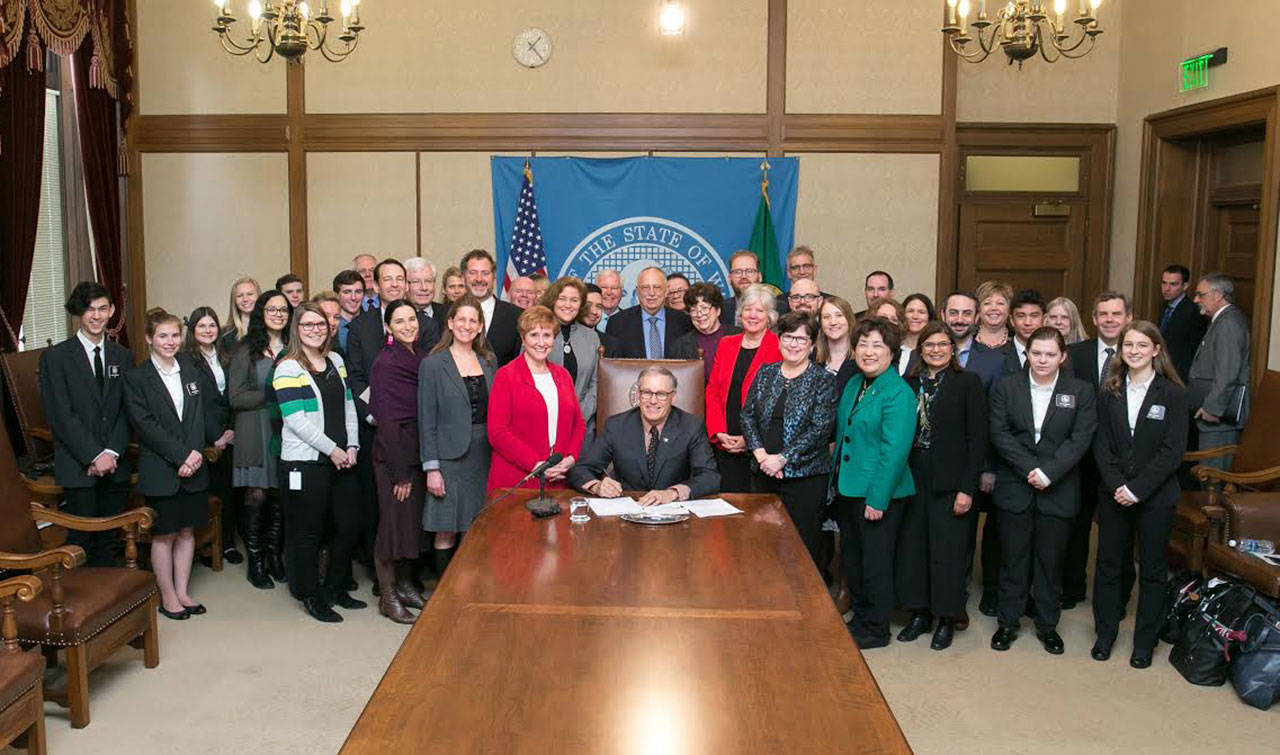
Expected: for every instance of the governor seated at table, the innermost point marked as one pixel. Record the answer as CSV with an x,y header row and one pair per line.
x,y
654,447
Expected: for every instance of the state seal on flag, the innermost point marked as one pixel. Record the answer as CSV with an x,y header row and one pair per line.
x,y
631,244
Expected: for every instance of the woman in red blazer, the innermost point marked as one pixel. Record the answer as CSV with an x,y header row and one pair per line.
x,y
738,358
530,398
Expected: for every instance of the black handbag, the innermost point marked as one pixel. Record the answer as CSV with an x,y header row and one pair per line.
x,y
1255,670
1183,596
1202,651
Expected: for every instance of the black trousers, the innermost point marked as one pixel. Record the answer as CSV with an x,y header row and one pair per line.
x,y
1074,569
1118,528
932,553
325,490
106,497
805,499
366,494
867,548
735,472
1039,541
990,543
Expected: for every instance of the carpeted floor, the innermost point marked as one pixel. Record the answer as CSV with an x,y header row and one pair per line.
x,y
256,674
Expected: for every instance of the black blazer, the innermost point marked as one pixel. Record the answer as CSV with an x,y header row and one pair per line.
x,y
84,420
686,346
627,328
217,407
959,441
502,334
684,456
366,335
1065,437
1147,462
1183,333
1084,360
165,439
729,312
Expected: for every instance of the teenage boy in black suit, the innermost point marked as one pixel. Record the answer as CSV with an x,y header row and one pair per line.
x,y
82,386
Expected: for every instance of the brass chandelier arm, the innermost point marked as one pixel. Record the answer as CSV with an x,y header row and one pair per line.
x,y
282,29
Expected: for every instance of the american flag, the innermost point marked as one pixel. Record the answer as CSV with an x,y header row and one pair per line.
x,y
527,255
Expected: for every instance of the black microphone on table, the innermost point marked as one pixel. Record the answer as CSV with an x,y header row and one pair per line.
x,y
540,506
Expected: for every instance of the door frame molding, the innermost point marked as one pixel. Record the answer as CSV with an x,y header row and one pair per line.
x,y
1095,143
1259,107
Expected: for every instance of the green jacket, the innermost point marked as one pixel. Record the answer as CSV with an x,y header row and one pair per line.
x,y
873,440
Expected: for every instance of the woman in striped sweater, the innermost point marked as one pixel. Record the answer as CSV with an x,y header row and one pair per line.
x,y
318,448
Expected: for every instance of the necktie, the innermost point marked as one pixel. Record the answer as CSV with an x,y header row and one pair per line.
x,y
651,453
99,373
964,357
655,339
1164,318
1106,363
570,361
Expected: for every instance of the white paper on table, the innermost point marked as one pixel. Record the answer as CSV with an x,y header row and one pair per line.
x,y
711,507
613,506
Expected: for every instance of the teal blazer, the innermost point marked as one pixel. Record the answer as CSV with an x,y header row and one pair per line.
x,y
873,440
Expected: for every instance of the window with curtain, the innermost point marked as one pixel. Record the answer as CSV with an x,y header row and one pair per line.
x,y
45,321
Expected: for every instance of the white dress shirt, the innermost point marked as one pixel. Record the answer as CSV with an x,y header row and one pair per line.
x,y
172,380
904,358
1135,394
219,376
1021,349
487,306
546,385
1041,397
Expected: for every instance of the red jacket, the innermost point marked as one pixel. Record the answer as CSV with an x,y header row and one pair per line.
x,y
518,423
722,373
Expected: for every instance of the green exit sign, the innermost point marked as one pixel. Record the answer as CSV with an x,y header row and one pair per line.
x,y
1193,73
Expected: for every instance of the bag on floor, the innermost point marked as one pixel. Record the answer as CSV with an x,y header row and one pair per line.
x,y
1255,670
1202,650
1184,591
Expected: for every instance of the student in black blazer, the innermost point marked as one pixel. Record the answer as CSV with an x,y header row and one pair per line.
x,y
1142,435
1042,425
1181,324
165,405
947,459
631,328
81,384
201,347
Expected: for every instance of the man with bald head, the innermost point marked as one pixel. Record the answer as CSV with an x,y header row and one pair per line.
x,y
650,329
522,292
610,283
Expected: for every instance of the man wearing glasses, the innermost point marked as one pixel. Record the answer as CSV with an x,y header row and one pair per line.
x,y
648,330
744,269
801,267
654,447
805,297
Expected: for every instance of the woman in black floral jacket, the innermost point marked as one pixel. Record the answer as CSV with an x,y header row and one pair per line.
x,y
787,422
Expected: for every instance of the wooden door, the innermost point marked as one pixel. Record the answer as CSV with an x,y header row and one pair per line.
x,y
1003,239
1233,242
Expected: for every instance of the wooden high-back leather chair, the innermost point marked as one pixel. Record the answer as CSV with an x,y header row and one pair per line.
x,y
1255,466
88,613
22,379
616,379
21,674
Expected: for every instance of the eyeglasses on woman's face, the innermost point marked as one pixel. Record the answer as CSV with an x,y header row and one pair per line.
x,y
313,326
794,339
275,310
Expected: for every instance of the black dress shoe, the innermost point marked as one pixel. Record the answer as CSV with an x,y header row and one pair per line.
x,y
1052,642
989,605
867,642
196,610
232,556
920,623
342,599
943,634
1138,660
1003,638
1100,652
175,615
1066,604
320,610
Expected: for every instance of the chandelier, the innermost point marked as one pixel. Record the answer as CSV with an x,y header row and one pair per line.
x,y
287,28
1022,28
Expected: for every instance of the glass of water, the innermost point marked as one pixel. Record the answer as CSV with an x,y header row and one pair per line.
x,y
578,510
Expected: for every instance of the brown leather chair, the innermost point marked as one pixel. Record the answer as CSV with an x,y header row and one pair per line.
x,y
1256,466
22,380
21,674
1239,516
88,612
616,379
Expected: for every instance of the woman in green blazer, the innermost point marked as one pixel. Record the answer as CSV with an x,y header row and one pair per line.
x,y
875,424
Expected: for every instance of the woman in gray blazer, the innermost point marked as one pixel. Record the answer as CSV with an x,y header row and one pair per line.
x,y
576,347
453,399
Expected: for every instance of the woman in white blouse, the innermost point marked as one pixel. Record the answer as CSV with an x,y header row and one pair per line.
x,y
201,344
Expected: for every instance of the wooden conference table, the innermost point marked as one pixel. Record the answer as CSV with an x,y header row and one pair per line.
x,y
709,636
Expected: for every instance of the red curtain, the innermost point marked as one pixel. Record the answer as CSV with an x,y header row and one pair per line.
x,y
22,95
98,119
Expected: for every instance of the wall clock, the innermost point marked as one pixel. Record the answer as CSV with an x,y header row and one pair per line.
x,y
532,47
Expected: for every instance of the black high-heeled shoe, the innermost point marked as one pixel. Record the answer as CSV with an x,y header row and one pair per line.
x,y
182,615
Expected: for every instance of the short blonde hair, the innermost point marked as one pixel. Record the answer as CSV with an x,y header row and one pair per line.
x,y
536,316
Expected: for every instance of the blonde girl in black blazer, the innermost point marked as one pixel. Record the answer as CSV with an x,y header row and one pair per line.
x,y
1142,435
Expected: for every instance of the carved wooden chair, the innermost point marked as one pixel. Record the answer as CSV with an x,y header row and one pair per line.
x,y
86,614
21,674
615,379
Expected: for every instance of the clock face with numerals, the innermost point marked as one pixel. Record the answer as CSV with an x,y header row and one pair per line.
x,y
532,47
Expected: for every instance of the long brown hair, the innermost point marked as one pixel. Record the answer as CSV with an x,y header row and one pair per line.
x,y
1118,372
294,351
822,351
480,346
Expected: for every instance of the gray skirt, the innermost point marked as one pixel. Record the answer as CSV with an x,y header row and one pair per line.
x,y
465,480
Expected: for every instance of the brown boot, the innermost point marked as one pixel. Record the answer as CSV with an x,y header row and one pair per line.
x,y
390,606
404,589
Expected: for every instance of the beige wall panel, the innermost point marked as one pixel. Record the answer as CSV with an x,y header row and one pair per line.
x,y
182,69
871,56
209,219
437,56
457,205
862,212
359,202
1069,91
